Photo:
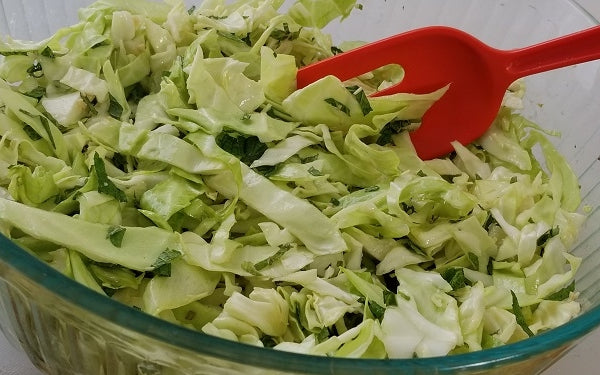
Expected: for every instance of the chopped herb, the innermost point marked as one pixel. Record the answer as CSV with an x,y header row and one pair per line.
x,y
420,173
474,260
248,41
361,98
272,259
518,312
389,298
105,185
89,104
409,209
246,117
315,172
115,235
335,50
114,108
191,10
47,52
46,125
231,37
31,133
335,202
322,335
376,309
455,276
34,69
513,179
390,129
309,159
285,34
489,220
249,267
37,92
548,235
266,170
336,104
13,53
562,294
247,149
359,6
162,264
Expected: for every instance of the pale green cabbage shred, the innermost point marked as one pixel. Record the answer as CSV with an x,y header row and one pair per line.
x,y
120,165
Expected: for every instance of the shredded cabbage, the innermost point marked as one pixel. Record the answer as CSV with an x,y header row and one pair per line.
x,y
163,156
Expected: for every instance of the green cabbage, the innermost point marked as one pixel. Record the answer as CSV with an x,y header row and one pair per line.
x,y
164,157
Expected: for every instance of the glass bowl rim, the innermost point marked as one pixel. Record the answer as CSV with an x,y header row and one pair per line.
x,y
168,333
177,336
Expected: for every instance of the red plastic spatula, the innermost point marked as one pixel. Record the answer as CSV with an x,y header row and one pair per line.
x,y
435,56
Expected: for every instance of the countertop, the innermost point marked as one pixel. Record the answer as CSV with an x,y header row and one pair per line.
x,y
582,360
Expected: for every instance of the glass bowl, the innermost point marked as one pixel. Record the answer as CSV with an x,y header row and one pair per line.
x,y
67,329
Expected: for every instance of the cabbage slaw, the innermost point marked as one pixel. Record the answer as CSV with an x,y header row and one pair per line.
x,y
162,155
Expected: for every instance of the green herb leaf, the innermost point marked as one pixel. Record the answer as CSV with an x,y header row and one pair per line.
x,y
389,298
115,235
35,69
191,10
474,260
231,36
518,312
266,170
46,125
336,104
37,92
249,267
13,53
489,220
315,172
105,185
247,149
562,294
114,108
390,129
162,264
309,159
361,98
31,133
284,34
322,335
335,50
272,259
455,276
548,235
90,105
376,309
47,52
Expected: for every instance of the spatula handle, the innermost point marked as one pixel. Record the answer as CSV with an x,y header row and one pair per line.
x,y
579,47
